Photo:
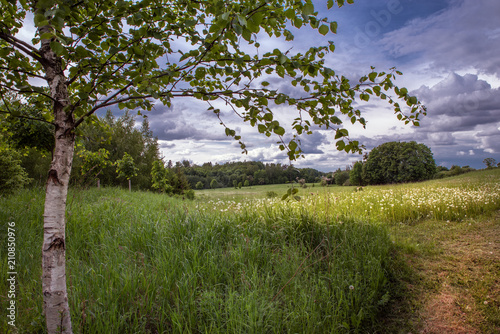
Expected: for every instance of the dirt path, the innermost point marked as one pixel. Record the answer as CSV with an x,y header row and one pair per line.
x,y
449,279
466,274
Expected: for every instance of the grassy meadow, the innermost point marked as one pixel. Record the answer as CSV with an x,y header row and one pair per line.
x,y
238,261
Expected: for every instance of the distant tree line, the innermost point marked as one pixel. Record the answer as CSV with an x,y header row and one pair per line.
x,y
248,173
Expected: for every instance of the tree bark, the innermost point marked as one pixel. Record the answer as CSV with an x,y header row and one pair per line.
x,y
129,185
55,296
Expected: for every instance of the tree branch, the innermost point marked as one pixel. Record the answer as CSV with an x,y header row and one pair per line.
x,y
27,92
27,117
21,45
22,71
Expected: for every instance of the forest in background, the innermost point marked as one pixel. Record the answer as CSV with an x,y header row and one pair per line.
x,y
107,140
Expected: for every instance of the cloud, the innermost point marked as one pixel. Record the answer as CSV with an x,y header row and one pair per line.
x,y
465,35
489,138
459,103
183,121
310,144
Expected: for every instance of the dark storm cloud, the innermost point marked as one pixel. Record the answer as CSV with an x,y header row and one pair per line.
x,y
310,143
465,35
459,103
184,122
167,145
460,95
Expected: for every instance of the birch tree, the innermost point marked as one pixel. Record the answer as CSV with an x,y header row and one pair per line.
x,y
89,55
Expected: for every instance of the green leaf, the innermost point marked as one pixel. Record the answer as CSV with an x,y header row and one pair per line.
x,y
40,20
262,128
329,4
308,9
323,30
292,145
57,48
242,20
279,131
290,13
340,145
333,27
297,22
372,76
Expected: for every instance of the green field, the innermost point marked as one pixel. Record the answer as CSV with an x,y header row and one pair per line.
x,y
339,260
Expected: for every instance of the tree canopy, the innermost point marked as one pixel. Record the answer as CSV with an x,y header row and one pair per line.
x,y
397,162
128,53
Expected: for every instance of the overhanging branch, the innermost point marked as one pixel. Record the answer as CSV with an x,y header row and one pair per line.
x,y
26,117
21,45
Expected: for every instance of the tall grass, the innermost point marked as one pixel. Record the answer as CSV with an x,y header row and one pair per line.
x,y
146,263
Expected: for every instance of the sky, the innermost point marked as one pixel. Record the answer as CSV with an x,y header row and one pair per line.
x,y
448,51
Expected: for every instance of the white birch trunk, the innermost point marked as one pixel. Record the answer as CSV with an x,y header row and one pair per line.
x,y
55,296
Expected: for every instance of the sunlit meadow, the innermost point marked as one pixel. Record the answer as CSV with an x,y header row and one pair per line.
x,y
452,201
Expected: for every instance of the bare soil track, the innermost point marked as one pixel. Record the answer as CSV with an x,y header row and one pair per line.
x,y
457,285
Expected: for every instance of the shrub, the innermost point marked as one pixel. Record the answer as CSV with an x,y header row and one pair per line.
x,y
271,194
441,175
455,170
12,175
189,194
341,177
356,174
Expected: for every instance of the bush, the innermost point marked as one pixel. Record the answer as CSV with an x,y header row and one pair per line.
x,y
271,194
341,177
12,175
441,175
189,194
455,170
356,174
